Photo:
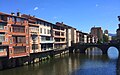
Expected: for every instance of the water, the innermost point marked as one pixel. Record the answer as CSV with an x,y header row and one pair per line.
x,y
93,63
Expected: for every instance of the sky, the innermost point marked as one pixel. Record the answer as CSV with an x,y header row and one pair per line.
x,y
80,14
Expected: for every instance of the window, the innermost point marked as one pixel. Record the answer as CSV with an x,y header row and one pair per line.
x,y
10,29
19,49
34,46
2,25
19,39
44,31
43,38
42,23
2,37
57,40
19,29
10,40
62,34
8,18
6,39
46,24
38,22
57,33
27,31
47,38
62,28
40,30
18,20
26,41
48,31
2,17
2,49
13,19
62,39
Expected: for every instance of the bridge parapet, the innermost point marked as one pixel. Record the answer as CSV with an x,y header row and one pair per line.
x,y
103,46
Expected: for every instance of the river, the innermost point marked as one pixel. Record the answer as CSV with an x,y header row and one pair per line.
x,y
91,63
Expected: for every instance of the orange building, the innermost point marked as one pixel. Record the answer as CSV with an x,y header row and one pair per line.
x,y
14,35
97,32
41,38
59,33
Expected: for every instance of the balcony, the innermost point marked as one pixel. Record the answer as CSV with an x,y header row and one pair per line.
x,y
19,44
34,51
34,41
46,49
3,27
59,36
3,18
2,37
19,51
3,51
32,24
58,30
46,41
59,42
34,33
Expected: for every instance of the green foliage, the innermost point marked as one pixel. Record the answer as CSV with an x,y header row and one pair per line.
x,y
99,41
105,38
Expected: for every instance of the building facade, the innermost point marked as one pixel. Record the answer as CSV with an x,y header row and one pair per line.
x,y
59,33
21,35
41,36
97,32
15,35
34,35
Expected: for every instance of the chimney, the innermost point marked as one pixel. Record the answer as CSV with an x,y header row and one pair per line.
x,y
12,13
18,14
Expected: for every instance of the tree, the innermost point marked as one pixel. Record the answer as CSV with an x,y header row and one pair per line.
x,y
99,41
105,38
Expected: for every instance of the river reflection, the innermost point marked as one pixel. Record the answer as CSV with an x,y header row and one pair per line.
x,y
71,64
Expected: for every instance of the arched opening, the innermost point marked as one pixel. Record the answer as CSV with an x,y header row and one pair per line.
x,y
93,51
113,53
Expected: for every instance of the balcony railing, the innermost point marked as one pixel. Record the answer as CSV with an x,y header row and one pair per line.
x,y
46,41
35,41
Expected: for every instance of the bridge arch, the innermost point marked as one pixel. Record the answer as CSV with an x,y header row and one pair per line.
x,y
113,52
84,47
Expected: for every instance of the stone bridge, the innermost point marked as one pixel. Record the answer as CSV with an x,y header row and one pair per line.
x,y
104,47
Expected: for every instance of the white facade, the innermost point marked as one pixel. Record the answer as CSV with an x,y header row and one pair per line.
x,y
74,36
85,38
44,30
69,37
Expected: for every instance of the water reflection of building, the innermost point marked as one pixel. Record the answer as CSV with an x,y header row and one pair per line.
x,y
93,51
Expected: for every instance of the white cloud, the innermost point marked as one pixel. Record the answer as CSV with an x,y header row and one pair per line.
x,y
96,5
55,17
35,8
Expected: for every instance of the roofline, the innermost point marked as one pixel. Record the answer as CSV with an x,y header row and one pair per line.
x,y
2,13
